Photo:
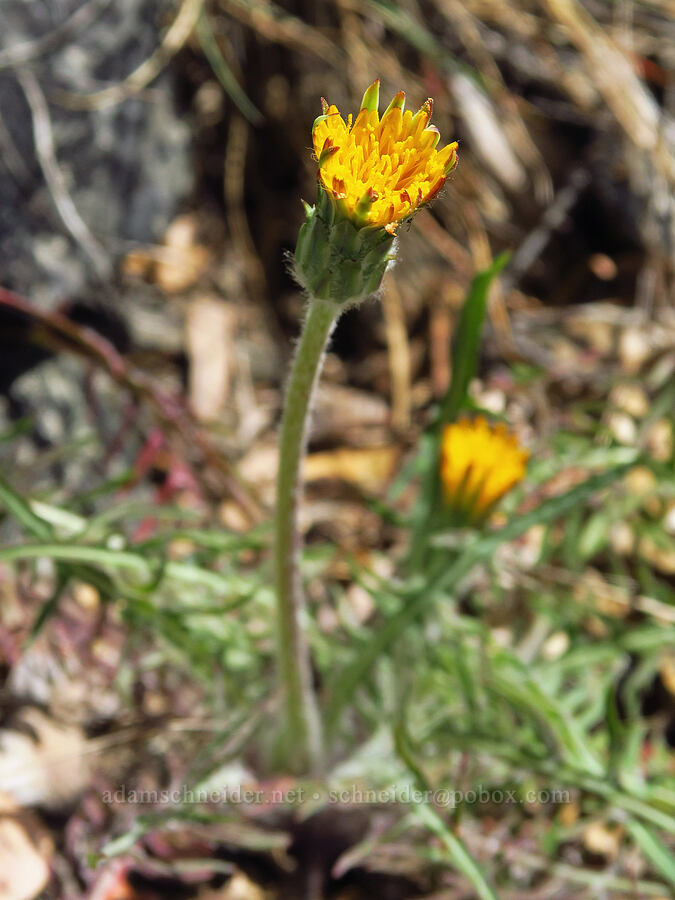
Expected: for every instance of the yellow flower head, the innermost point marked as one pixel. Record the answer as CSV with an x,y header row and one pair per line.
x,y
479,464
381,170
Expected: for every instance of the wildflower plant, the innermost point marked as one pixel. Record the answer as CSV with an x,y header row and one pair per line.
x,y
373,174
480,463
428,684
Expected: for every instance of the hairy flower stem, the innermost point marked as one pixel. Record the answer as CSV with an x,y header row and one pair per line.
x,y
302,746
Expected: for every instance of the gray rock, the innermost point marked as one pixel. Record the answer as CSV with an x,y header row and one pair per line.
x,y
126,167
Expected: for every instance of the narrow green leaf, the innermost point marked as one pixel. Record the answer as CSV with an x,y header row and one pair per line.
x,y
523,694
16,429
602,787
20,509
458,854
129,561
224,74
50,606
615,728
41,529
466,345
419,36
123,843
417,602
116,559
594,536
653,848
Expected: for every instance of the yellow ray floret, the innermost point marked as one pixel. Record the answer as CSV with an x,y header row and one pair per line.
x,y
381,169
479,464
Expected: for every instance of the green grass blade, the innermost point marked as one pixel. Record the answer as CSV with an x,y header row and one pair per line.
x,y
115,559
20,509
525,695
16,429
42,529
478,552
126,560
466,345
224,74
653,848
458,854
418,36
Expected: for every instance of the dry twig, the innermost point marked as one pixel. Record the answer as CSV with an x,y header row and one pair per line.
x,y
171,411
20,54
174,39
613,74
44,146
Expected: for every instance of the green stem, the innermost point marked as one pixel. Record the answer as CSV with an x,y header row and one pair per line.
x,y
303,727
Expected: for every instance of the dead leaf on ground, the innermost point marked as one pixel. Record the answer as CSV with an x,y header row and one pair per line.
x,y
369,468
607,599
259,467
112,883
569,814
659,440
176,265
597,334
24,872
239,887
485,123
634,350
667,672
630,398
44,764
662,558
341,411
347,524
209,335
602,839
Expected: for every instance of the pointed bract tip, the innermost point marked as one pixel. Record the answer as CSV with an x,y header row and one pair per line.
x,y
371,98
328,150
325,106
362,211
398,102
452,162
425,110
318,121
431,129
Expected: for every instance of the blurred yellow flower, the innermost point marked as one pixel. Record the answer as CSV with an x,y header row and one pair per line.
x,y
479,464
381,170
